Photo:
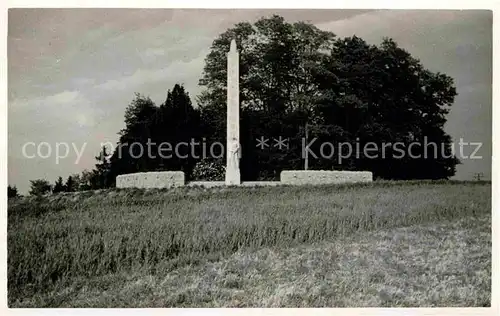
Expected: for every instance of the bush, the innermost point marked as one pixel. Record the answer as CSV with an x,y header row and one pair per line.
x,y
209,170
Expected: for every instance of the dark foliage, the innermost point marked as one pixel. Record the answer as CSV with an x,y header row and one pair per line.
x,y
344,90
58,186
12,192
40,187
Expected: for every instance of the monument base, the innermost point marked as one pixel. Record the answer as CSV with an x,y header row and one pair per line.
x,y
214,184
233,177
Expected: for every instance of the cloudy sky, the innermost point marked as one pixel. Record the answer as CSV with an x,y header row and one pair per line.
x,y
72,72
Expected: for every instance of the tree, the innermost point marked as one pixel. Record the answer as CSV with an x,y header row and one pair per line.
x,y
40,187
12,192
174,122
278,61
86,180
69,186
177,122
75,183
294,75
128,156
58,186
384,95
101,174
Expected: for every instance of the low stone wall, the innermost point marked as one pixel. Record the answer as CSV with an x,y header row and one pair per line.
x,y
147,180
168,179
324,176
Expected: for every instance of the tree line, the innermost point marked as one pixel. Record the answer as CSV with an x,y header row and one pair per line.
x,y
294,75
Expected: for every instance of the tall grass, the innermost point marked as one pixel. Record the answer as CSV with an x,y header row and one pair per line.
x,y
54,239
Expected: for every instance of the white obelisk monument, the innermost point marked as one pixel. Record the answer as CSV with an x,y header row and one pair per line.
x,y
233,150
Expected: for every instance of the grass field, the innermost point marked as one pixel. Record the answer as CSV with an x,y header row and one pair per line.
x,y
380,244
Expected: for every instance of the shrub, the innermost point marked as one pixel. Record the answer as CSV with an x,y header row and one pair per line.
x,y
209,170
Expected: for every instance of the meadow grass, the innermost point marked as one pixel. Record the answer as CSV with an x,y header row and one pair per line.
x,y
55,240
446,264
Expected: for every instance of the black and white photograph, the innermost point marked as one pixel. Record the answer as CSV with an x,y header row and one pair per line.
x,y
249,158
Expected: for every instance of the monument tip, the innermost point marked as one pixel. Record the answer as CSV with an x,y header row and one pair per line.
x,y
233,46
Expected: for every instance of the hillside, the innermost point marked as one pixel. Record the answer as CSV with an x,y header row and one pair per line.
x,y
385,243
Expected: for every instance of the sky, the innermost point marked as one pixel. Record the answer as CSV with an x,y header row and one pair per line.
x,y
72,72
